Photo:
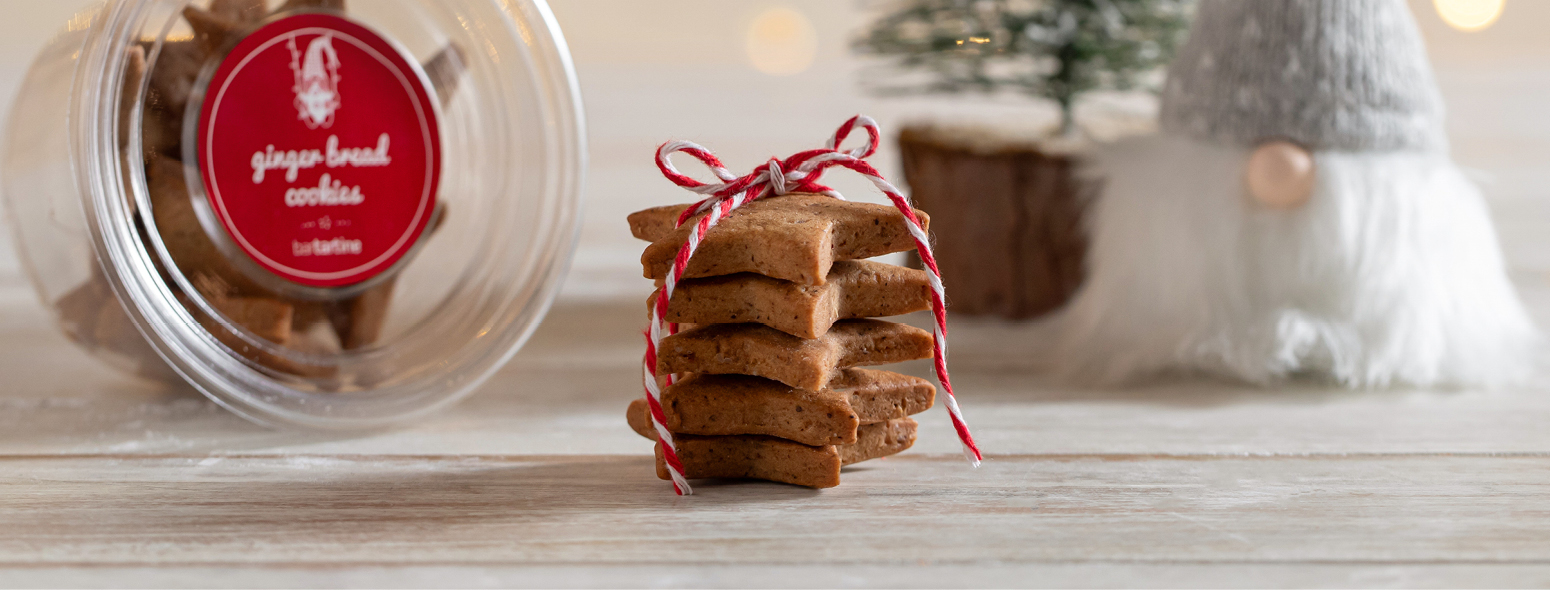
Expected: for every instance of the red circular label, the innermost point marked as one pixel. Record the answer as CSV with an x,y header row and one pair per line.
x,y
320,151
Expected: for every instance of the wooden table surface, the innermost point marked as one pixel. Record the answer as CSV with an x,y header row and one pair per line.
x,y
536,480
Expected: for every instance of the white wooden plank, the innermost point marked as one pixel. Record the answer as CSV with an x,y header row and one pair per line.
x,y
582,510
980,575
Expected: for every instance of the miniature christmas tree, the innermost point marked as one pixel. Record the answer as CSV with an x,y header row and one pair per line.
x,y
1015,201
1049,49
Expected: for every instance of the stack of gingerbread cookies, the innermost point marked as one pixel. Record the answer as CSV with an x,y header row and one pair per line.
x,y
773,310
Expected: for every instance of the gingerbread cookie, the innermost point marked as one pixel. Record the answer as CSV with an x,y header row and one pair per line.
x,y
134,74
875,441
853,289
266,318
240,11
739,404
784,461
186,240
795,237
753,349
333,5
211,31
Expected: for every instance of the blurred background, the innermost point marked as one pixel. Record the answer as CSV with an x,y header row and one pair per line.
x,y
754,79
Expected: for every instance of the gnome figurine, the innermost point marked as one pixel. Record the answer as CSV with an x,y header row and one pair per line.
x,y
1298,215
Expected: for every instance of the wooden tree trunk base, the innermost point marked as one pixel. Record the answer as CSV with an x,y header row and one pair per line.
x,y
1007,223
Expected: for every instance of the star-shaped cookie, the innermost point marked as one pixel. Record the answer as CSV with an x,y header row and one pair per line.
x,y
795,237
778,460
740,404
804,363
853,289
215,27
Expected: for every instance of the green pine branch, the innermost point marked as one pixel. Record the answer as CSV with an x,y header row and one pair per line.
x,y
1048,49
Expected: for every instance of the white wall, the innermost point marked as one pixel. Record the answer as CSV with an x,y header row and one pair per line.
x,y
660,69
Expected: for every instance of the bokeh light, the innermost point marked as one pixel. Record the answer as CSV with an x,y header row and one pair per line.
x,y
782,42
1469,15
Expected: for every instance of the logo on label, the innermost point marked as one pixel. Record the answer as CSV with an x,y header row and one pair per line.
x,y
313,193
317,81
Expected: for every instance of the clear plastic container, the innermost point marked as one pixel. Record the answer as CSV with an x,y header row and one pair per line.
x,y
408,237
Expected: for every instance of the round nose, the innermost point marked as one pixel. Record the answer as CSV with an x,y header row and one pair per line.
x,y
1280,175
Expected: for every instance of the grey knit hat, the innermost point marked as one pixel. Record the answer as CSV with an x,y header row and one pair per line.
x,y
1345,75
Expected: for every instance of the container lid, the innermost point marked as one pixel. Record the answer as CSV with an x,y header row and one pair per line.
x,y
328,215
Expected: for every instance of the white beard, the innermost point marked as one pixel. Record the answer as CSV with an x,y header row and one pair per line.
x,y
1389,275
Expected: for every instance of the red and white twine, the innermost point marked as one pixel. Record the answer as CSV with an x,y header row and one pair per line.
x,y
796,174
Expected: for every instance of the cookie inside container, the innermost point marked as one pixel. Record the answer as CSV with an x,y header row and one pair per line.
x,y
165,278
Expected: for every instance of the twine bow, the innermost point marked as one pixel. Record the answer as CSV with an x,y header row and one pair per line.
x,y
796,174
